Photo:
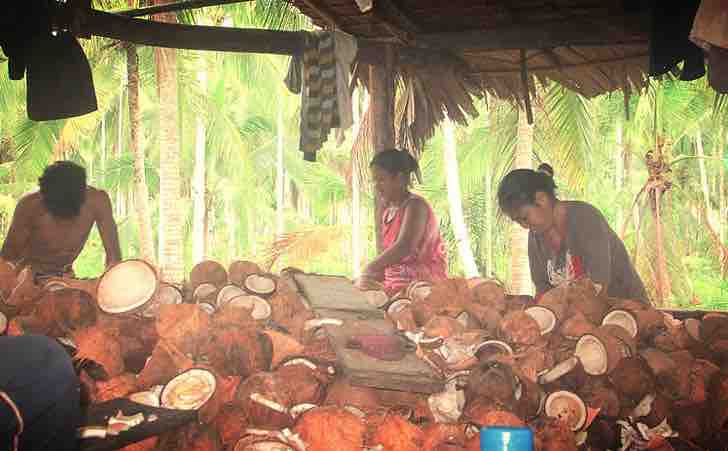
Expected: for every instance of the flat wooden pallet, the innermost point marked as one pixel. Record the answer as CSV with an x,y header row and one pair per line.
x,y
336,297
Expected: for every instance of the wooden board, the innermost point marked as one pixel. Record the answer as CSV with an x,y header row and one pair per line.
x,y
332,293
409,374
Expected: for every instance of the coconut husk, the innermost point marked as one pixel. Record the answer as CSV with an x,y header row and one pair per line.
x,y
230,424
616,344
240,269
575,326
400,313
267,400
484,413
322,371
233,316
550,434
633,378
534,360
519,329
261,284
443,327
208,271
658,361
548,319
418,290
320,349
328,428
25,293
582,295
237,352
660,409
602,396
100,346
185,326
284,346
444,437
149,444
487,317
26,325
516,302
134,353
163,365
303,384
714,326
342,394
449,296
492,380
191,437
689,420
567,407
603,434
285,304
393,433
490,293
65,311
116,387
8,279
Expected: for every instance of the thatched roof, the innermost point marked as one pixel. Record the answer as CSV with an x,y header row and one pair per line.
x,y
591,46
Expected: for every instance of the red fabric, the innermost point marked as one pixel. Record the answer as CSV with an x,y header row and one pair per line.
x,y
428,262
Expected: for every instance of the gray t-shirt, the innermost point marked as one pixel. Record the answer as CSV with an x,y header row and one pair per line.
x,y
592,249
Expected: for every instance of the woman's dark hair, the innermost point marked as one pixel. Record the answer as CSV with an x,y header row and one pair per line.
x,y
396,161
519,187
63,188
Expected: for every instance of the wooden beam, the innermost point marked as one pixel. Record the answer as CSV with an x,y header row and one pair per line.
x,y
560,67
191,37
396,21
324,13
540,36
177,6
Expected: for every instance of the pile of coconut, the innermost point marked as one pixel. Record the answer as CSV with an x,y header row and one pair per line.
x,y
238,345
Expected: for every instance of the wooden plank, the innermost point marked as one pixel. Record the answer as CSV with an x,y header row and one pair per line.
x,y
333,293
177,6
191,37
409,374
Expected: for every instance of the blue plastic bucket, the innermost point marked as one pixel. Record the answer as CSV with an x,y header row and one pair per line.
x,y
506,439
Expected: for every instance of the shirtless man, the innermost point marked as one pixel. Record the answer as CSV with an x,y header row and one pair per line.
x,y
50,226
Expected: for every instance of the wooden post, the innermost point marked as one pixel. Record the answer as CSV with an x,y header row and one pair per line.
x,y
381,87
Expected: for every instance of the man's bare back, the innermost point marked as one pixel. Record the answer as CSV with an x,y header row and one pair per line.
x,y
51,244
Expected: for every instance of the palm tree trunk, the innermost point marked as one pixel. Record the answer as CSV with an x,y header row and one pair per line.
x,y
199,184
117,149
520,272
171,258
704,179
721,189
102,177
356,241
146,240
619,170
488,222
454,195
280,216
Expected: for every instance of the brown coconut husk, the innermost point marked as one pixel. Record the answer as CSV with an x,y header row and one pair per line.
x,y
713,327
660,409
449,297
575,326
320,349
443,327
233,316
444,437
8,278
26,325
100,346
617,343
230,424
400,313
284,346
519,329
65,311
116,387
689,420
208,271
534,360
267,400
487,317
149,444
603,434
25,293
601,395
492,380
237,352
719,401
515,302
134,353
658,361
191,437
328,428
342,394
490,293
582,295
185,326
550,434
303,384
164,364
484,413
240,269
633,378
393,433
567,407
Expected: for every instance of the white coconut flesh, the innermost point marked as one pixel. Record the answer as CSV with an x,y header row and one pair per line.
x,y
261,285
299,409
167,295
398,305
623,319
496,346
545,318
464,319
189,390
568,407
592,354
420,291
377,298
227,293
204,292
207,308
559,370
55,285
126,287
146,398
260,309
267,445
3,323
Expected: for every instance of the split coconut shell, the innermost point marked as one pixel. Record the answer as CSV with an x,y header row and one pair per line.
x,y
239,270
127,287
267,400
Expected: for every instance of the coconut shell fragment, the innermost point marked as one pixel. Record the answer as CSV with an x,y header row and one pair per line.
x,y
100,346
127,287
266,398
260,284
519,328
239,270
567,407
329,428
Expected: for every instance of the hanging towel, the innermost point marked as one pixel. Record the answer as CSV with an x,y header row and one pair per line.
x,y
345,51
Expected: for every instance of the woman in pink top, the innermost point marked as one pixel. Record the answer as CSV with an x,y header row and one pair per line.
x,y
413,248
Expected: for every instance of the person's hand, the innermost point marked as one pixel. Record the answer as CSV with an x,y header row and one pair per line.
x,y
365,282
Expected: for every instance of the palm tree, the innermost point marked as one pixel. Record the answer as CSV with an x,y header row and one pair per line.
x,y
520,273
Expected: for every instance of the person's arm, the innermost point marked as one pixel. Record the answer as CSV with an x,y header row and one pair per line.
x,y
107,228
19,232
592,239
537,264
410,235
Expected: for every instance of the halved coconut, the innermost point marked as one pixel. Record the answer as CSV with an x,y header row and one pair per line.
x,y
491,349
260,284
544,316
189,390
592,354
3,323
240,269
601,351
377,298
207,308
208,271
228,292
261,309
166,295
397,305
205,292
55,285
559,370
692,327
127,287
567,407
418,291
147,398
624,319
299,409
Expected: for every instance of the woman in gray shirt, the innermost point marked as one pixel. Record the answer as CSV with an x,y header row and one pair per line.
x,y
567,239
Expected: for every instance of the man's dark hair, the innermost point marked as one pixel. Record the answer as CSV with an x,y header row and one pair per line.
x,y
63,188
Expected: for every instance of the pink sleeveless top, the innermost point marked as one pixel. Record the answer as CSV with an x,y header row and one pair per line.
x,y
429,260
